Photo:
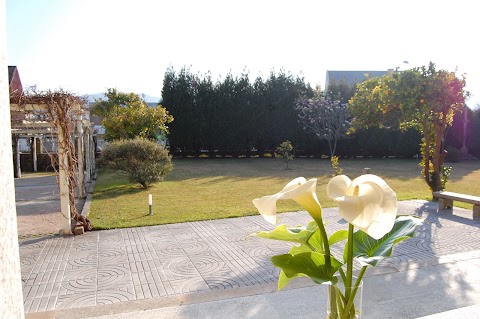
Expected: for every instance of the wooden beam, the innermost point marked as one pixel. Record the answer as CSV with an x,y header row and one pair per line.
x,y
32,124
28,107
37,107
27,131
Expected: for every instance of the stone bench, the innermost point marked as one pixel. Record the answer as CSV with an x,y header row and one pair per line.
x,y
445,200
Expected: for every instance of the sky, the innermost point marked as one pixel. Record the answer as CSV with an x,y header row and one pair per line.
x,y
87,46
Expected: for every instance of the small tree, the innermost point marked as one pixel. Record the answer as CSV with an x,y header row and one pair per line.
x,y
336,166
127,116
325,117
141,160
423,98
284,151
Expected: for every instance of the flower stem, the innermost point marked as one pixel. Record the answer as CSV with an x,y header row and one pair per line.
x,y
355,289
323,232
348,283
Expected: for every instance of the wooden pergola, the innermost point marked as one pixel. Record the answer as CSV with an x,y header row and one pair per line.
x,y
33,125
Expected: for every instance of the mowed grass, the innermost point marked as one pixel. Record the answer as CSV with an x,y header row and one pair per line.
x,y
201,189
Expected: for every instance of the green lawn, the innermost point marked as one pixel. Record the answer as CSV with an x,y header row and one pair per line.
x,y
199,189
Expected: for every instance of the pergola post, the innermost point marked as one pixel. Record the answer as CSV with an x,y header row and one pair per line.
x,y
88,151
80,158
64,183
16,141
34,153
11,299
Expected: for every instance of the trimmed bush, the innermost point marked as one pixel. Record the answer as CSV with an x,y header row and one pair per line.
x,y
141,160
453,155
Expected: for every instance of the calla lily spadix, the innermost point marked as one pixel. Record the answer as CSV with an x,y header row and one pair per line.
x,y
300,190
367,202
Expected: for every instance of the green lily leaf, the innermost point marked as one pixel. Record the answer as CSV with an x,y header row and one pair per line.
x,y
316,242
370,251
308,264
299,235
283,280
295,250
338,236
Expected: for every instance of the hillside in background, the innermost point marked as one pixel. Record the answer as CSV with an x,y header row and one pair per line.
x,y
148,98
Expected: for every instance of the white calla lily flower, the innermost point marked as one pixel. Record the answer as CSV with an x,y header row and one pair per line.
x,y
367,202
300,190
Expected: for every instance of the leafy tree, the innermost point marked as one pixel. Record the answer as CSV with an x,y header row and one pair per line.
x,y
284,151
340,90
127,116
141,160
325,117
424,98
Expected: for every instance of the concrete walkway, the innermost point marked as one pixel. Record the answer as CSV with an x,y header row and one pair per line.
x,y
210,269
37,200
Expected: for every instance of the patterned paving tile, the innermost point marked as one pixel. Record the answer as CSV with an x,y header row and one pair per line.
x,y
112,266
152,290
46,262
185,286
221,281
208,264
38,291
168,249
180,268
86,245
156,235
111,243
133,248
111,256
248,272
143,266
77,300
45,277
146,277
80,280
40,304
109,277
107,297
82,259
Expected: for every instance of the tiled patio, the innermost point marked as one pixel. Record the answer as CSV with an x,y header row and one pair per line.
x,y
111,266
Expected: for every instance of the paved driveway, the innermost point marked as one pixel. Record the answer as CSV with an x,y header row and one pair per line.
x,y
37,200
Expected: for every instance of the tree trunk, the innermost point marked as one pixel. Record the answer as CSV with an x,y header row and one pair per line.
x,y
426,155
332,150
436,179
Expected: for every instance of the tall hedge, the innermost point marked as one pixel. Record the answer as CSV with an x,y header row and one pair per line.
x,y
238,116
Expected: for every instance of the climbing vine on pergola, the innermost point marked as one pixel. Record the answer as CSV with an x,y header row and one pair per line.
x,y
60,110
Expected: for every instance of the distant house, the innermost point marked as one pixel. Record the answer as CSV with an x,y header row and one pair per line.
x,y
14,83
352,77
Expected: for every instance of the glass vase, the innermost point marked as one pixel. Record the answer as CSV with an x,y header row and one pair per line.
x,y
344,302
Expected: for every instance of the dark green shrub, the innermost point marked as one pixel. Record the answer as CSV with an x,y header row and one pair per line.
x,y
143,161
453,155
